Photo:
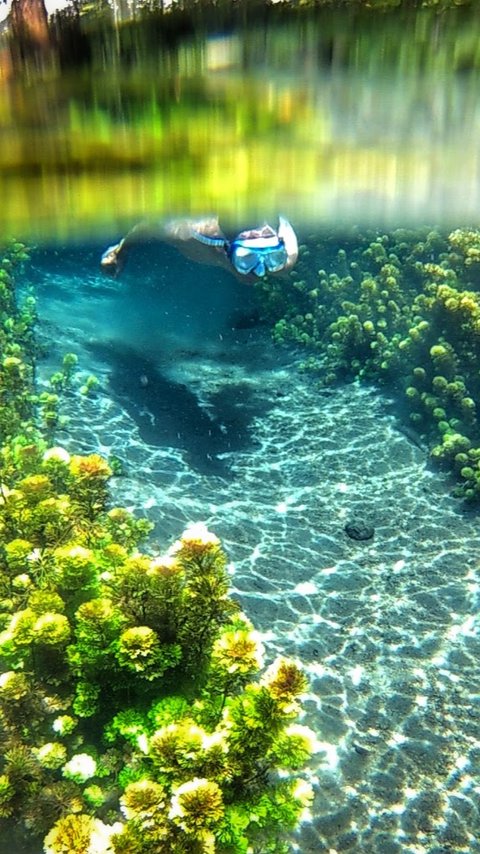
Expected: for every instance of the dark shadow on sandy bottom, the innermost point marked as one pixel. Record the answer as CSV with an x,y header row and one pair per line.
x,y
168,414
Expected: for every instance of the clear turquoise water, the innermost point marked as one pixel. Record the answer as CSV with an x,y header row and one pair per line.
x,y
214,423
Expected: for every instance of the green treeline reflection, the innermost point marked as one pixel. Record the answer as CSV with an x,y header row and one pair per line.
x,y
436,35
281,108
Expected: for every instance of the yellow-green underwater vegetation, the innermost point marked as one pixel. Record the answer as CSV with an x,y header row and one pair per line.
x,y
135,714
402,309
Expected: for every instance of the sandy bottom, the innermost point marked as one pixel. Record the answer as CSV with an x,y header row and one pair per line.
x,y
387,628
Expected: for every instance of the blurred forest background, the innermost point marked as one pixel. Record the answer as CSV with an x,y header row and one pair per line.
x,y
72,28
111,110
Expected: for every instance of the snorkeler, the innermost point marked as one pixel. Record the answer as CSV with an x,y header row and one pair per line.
x,y
254,252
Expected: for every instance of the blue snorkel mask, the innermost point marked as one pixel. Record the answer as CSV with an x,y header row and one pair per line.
x,y
258,251
257,255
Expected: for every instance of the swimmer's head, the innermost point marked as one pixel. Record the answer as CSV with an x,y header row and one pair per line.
x,y
259,251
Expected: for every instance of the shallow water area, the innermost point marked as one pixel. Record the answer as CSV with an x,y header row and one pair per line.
x,y
386,627
347,548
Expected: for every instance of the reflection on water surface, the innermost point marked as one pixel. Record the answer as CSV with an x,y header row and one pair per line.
x,y
306,121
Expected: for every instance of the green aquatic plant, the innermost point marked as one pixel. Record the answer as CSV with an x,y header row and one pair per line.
x,y
133,713
402,309
224,730
95,631
199,756
17,349
61,380
88,483
204,787
78,834
92,626
89,386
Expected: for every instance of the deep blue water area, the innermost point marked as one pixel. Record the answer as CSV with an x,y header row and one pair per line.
x,y
213,422
159,294
161,309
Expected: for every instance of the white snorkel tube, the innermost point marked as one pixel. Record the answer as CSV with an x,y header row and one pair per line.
x,y
287,234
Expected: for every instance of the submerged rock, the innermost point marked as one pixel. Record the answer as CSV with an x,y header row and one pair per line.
x,y
357,529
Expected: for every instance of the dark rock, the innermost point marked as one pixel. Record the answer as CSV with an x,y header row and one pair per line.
x,y
357,529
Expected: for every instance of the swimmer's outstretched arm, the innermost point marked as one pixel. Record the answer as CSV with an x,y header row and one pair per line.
x,y
180,233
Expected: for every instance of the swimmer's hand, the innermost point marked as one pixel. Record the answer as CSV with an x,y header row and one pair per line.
x,y
113,259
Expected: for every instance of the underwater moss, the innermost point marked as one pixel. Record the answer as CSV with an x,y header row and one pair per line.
x,y
132,713
402,309
196,756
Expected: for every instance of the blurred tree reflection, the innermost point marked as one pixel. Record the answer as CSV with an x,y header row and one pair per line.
x,y
29,27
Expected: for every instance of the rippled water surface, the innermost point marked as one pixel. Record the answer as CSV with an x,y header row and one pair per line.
x,y
331,119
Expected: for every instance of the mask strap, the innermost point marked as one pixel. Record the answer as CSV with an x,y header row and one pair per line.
x,y
210,241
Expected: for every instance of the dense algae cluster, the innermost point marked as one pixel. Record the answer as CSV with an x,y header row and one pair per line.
x,y
132,718
402,309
